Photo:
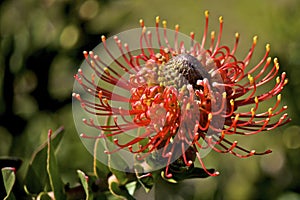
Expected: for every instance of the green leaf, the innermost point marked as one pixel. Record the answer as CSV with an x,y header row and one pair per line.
x,y
115,161
147,179
121,176
131,187
99,169
52,170
193,172
9,178
34,182
84,182
117,189
43,196
36,179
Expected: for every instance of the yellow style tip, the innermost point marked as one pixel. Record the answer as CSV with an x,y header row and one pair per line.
x,y
237,35
157,19
221,19
255,38
206,13
268,47
164,23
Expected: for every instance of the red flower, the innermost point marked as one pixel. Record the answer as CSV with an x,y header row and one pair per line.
x,y
180,100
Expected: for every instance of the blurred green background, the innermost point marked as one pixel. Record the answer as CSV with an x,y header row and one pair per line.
x,y
41,49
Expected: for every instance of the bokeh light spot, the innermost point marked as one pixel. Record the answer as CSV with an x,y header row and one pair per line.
x,y
5,141
89,9
69,36
59,76
273,162
291,137
25,83
24,106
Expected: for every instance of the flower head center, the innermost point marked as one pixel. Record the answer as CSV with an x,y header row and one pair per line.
x,y
163,94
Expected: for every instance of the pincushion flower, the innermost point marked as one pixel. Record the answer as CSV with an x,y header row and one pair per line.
x,y
181,98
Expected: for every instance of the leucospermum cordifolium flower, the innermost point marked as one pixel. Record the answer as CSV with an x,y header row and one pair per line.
x,y
169,100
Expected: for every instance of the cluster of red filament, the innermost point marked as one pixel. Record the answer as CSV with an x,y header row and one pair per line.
x,y
165,111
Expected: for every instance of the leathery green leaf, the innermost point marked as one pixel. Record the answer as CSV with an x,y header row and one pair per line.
x,y
9,178
36,179
52,170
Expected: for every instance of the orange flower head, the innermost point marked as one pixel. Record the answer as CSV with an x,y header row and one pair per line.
x,y
170,99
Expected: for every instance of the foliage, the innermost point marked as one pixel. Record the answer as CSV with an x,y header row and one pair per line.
x,y
43,180
38,59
